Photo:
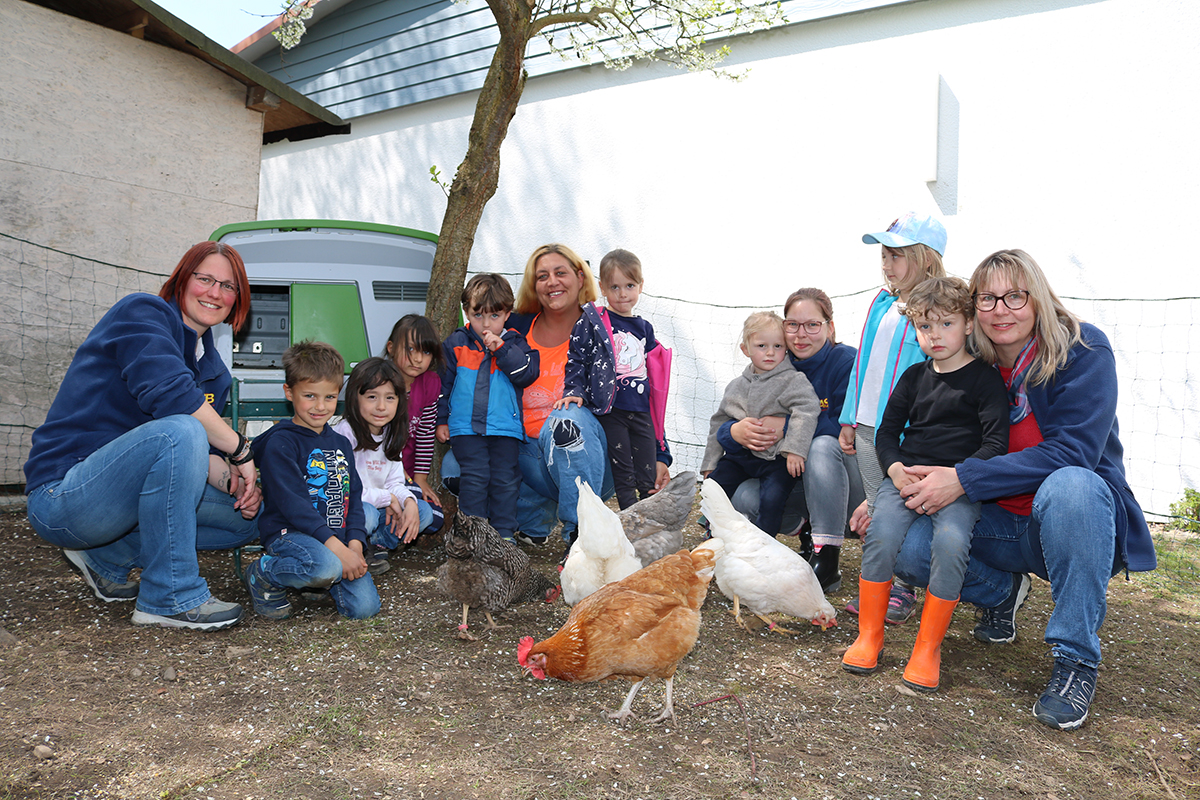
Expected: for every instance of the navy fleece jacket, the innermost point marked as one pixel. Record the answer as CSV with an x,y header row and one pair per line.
x,y
1077,414
138,364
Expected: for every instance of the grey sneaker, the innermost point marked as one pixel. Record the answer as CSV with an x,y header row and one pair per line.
x,y
212,615
1064,704
999,625
532,541
103,588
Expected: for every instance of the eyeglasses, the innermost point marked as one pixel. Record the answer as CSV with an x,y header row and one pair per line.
x,y
207,282
811,328
1016,299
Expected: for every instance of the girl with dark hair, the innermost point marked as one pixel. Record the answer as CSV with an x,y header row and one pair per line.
x,y
376,423
130,467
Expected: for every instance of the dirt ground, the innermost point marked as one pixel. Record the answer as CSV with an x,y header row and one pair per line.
x,y
398,707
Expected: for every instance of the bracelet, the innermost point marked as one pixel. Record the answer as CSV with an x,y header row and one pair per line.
x,y
243,453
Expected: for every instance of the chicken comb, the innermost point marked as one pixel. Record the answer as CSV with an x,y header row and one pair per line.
x,y
523,648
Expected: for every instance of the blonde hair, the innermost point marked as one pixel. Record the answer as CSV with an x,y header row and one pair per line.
x,y
945,295
1057,328
760,321
527,301
923,263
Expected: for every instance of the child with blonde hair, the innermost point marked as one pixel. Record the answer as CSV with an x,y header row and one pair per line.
x,y
770,386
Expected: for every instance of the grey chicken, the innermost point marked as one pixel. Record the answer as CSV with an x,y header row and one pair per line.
x,y
655,525
485,571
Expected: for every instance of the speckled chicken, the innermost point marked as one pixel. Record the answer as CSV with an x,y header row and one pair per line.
x,y
485,571
757,570
655,525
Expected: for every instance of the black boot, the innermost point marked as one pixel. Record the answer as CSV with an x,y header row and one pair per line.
x,y
825,565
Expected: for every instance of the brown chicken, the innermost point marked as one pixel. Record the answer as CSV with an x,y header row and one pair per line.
x,y
636,628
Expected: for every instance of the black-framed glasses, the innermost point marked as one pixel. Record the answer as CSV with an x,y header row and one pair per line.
x,y
811,328
207,282
1016,299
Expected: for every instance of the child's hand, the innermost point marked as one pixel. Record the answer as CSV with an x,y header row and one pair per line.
x,y
405,521
795,465
846,440
567,401
427,492
491,341
662,476
860,520
353,564
442,433
899,477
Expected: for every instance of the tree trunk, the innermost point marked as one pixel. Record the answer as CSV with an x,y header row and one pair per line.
x,y
479,173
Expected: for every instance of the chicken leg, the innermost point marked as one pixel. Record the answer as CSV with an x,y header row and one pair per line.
x,y
737,614
625,711
668,709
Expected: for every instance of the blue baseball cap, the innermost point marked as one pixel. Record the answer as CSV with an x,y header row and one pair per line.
x,y
911,229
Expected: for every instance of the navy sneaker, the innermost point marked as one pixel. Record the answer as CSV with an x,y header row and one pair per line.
x,y
999,625
103,588
269,601
524,538
902,604
212,615
1064,704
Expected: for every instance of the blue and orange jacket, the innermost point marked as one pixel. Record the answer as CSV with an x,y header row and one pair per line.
x,y
481,391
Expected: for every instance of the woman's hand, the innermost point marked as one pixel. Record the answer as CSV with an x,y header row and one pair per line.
x,y
846,440
935,488
755,433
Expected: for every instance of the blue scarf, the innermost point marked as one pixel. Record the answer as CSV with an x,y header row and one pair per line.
x,y
1018,398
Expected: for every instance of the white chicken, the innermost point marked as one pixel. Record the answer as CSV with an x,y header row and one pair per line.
x,y
757,570
602,553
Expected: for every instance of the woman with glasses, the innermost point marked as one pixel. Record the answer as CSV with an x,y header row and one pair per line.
x,y
129,469
1057,505
831,486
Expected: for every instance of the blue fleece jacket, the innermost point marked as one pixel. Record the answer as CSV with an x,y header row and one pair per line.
x,y
903,352
309,484
481,391
1077,414
138,364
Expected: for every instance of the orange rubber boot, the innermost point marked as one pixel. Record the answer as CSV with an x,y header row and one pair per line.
x,y
863,656
924,667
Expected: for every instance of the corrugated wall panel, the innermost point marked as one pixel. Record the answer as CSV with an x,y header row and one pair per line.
x,y
375,55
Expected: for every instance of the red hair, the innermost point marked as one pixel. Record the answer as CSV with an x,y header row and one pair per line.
x,y
176,285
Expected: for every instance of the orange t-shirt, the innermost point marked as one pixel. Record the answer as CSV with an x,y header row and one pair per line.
x,y
537,399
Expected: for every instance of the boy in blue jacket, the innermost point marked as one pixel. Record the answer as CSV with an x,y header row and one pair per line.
x,y
312,526
479,409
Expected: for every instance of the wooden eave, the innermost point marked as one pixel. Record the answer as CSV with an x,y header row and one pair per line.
x,y
287,114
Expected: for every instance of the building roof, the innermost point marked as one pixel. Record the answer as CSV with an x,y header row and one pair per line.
x,y
287,114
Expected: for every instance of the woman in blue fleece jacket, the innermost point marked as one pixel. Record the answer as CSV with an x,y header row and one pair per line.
x,y
1057,505
125,470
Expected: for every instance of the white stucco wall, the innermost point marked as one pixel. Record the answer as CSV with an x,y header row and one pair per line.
x,y
1064,127
116,155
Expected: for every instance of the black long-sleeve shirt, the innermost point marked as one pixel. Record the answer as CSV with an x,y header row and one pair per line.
x,y
945,418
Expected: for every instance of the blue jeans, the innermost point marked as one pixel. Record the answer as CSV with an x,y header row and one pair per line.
x,y
298,561
143,500
1070,540
950,544
831,477
381,535
571,444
